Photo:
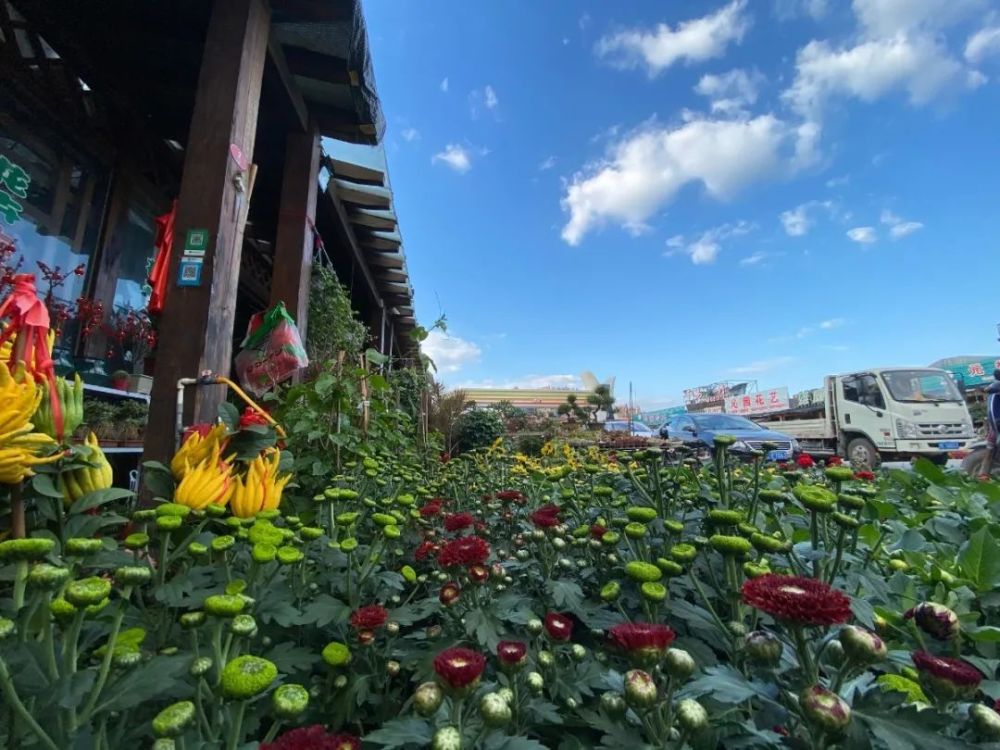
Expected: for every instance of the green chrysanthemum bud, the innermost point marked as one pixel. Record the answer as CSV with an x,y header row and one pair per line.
x,y
138,540
735,546
900,565
643,571
640,690
383,519
264,532
169,523
845,521
164,743
546,659
349,545
235,523
673,526
494,710
268,515
33,548
174,719
243,625
640,513
862,646
86,592
7,628
610,539
348,518
132,575
752,570
723,441
611,591
408,573
535,682
197,550
772,496
145,514
289,555
82,547
635,530
446,738
191,620
263,553
691,715
652,591
851,502
765,543
578,652
289,701
669,567
839,473
247,676
825,709
215,511
336,654
726,517
684,552
815,498
985,721
427,698
679,663
200,666
309,533
614,705
172,509
224,542
604,491
391,532
224,605
535,626
125,659
48,577
763,648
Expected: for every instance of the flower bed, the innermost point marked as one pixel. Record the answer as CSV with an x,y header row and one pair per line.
x,y
505,602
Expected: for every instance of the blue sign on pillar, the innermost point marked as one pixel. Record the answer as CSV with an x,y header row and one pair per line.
x,y
189,272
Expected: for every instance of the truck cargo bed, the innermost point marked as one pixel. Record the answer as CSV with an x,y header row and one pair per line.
x,y
802,429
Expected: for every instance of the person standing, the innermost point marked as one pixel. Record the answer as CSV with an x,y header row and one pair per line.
x,y
992,423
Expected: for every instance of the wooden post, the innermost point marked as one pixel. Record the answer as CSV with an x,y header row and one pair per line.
x,y
196,328
293,247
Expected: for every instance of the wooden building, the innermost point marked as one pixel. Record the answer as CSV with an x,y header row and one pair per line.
x,y
117,109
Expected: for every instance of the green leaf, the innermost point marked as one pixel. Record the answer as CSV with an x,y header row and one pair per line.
x,y
156,679
97,498
985,634
565,594
291,658
43,485
724,683
910,730
544,712
401,733
929,471
158,479
325,610
979,560
897,683
229,415
375,357
481,625
499,742
415,612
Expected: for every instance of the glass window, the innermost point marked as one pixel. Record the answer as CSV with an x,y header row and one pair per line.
x,y
921,385
724,422
137,234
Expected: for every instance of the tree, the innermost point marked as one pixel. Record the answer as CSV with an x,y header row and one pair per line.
x,y
602,400
446,408
572,410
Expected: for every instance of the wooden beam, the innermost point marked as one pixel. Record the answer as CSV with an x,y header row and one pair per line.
x,y
293,247
196,327
362,196
345,233
327,68
310,10
351,172
391,288
277,55
391,276
386,260
362,218
375,242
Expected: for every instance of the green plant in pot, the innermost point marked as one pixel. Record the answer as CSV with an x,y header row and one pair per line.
x,y
119,380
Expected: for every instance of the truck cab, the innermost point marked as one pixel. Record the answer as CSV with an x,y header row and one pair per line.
x,y
897,413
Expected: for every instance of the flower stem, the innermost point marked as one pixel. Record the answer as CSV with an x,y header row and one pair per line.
x,y
806,660
20,583
236,732
14,701
839,556
814,529
109,647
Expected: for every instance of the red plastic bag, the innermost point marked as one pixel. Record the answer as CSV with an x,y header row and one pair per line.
x,y
271,352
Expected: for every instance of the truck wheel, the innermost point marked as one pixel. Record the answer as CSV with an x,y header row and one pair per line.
x,y
861,451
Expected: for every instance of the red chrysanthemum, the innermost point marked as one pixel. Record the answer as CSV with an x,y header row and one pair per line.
x,y
449,593
251,416
955,671
313,738
598,532
370,617
805,461
803,601
459,667
834,461
641,636
510,496
458,521
424,550
432,508
512,652
559,627
445,457
546,517
865,475
466,550
479,573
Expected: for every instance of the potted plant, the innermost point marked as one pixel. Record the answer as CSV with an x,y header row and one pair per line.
x,y
133,332
119,380
132,416
101,419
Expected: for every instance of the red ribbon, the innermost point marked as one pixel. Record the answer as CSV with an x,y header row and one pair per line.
x,y
29,327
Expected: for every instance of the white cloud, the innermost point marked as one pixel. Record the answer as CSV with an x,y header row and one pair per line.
x,y
410,134
862,235
830,324
899,227
761,366
444,84
984,43
450,353
786,10
547,163
644,170
836,182
455,156
730,92
705,248
490,97
695,40
889,17
564,382
798,221
756,258
584,21
919,65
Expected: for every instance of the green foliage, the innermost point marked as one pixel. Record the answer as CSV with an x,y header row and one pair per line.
x,y
478,428
530,444
333,324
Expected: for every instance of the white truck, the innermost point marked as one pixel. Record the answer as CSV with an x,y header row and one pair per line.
x,y
891,414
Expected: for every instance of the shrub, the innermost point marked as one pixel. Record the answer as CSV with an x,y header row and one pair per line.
x,y
477,429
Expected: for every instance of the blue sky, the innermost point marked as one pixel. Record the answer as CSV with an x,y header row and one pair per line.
x,y
677,193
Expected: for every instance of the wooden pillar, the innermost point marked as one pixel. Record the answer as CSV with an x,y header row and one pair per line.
x,y
293,248
196,328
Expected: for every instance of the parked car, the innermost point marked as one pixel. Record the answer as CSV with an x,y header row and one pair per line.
x,y
636,429
699,430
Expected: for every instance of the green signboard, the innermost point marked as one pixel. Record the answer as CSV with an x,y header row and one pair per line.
x,y
974,374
